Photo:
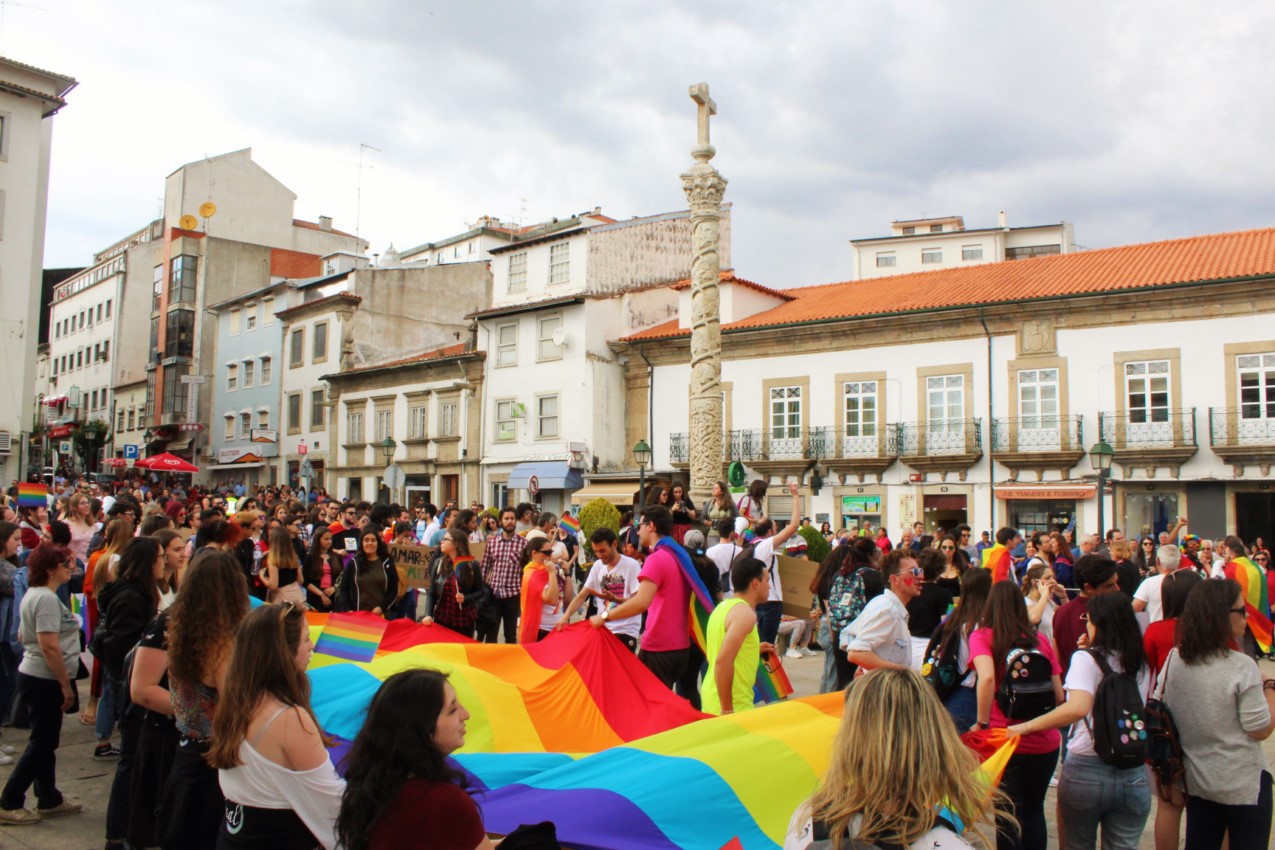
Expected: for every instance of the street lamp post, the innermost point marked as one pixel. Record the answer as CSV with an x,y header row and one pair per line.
x,y
1100,457
388,447
641,454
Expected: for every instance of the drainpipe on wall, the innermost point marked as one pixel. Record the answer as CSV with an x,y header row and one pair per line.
x,y
650,401
991,442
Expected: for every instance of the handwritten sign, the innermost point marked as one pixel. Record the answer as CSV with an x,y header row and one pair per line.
x,y
413,561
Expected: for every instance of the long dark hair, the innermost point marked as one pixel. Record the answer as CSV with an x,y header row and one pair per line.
x,y
137,566
211,603
467,576
262,664
312,569
1204,629
828,569
395,743
7,530
862,554
1175,589
361,563
1116,631
1006,615
975,586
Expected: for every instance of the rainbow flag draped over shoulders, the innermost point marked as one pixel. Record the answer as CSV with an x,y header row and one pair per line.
x,y
1253,587
997,559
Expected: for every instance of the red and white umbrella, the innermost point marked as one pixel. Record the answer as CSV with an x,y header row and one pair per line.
x,y
167,462
116,462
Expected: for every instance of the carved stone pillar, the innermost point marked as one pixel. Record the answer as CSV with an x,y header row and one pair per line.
x,y
704,190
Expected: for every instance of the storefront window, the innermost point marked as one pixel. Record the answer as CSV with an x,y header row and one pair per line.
x,y
1149,513
1032,515
858,510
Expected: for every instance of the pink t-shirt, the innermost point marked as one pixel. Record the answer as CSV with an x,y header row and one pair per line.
x,y
667,628
1035,742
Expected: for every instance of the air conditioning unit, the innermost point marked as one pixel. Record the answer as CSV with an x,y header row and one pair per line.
x,y
6,443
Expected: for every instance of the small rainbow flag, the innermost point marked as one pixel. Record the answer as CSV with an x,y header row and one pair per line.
x,y
33,495
569,523
353,637
772,682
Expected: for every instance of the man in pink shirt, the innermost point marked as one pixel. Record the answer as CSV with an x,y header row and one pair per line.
x,y
665,594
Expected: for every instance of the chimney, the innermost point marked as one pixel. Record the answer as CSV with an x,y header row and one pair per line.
x,y
325,222
1001,221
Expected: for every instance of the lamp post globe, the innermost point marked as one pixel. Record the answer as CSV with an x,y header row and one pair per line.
x,y
1100,457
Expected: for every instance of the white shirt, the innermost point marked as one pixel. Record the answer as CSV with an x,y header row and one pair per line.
x,y
723,555
801,834
315,795
429,531
1149,593
1085,675
882,628
764,551
622,581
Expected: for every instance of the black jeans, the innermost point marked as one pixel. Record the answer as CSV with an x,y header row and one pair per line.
x,y
507,612
43,699
688,683
1250,826
120,803
1026,781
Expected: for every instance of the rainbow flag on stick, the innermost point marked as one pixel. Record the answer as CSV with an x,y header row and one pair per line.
x,y
33,495
353,637
569,523
772,682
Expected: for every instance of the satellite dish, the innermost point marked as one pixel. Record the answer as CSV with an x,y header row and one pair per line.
x,y
208,209
188,222
559,336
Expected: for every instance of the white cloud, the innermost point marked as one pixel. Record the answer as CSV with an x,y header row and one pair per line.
x,y
1135,121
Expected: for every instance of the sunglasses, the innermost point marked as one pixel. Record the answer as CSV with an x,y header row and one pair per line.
x,y
1242,610
947,548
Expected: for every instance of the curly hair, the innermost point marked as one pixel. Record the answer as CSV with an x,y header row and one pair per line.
x,y
395,743
1204,629
213,600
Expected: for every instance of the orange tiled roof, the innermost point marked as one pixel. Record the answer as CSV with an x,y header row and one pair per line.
x,y
1216,257
728,275
312,225
436,354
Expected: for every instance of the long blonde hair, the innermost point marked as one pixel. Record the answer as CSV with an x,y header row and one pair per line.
x,y
895,760
118,534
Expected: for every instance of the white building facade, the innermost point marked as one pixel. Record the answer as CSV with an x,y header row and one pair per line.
x,y
929,244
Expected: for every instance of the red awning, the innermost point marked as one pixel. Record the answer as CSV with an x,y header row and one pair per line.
x,y
59,431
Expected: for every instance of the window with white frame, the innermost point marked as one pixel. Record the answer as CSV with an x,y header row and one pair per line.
x,y
546,327
1147,390
887,261
518,272
945,402
384,424
1257,385
785,413
931,255
506,415
507,344
354,427
248,373
417,422
130,417
447,419
249,317
971,252
267,311
245,425
263,420
232,378
229,432
546,416
265,371
559,262
1038,398
859,402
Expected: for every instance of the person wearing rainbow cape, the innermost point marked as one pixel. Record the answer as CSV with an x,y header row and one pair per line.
x,y
1257,603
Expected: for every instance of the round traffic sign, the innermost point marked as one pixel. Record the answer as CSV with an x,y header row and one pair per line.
x,y
533,485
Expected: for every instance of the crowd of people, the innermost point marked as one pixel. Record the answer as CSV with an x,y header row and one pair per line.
x,y
217,744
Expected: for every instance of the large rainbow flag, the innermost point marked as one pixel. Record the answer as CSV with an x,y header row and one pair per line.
x,y
575,729
1257,603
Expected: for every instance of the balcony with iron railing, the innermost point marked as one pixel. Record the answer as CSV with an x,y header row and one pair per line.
x,y
943,446
1150,438
859,451
1244,436
1038,443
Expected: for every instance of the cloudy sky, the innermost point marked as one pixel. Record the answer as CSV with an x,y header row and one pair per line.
x,y
1135,121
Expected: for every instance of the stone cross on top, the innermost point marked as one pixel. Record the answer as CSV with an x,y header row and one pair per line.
x,y
699,94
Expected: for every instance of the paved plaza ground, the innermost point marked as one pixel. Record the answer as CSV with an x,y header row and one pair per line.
x,y
88,781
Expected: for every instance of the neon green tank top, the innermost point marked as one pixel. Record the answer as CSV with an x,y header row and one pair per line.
x,y
745,674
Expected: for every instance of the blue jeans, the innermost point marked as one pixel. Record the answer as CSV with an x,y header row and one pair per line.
x,y
1092,793
768,616
828,682
962,705
105,722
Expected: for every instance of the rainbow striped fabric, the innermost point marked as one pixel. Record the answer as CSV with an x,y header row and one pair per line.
x,y
569,523
998,560
352,637
576,726
33,495
1256,592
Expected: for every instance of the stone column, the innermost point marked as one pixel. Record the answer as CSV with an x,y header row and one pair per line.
x,y
704,190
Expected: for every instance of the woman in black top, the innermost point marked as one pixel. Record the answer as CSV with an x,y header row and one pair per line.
x,y
954,565
321,571
683,510
926,611
370,582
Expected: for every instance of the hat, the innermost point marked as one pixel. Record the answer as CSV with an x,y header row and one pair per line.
x,y
694,539
1191,537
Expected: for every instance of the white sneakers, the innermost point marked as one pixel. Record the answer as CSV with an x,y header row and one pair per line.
x,y
793,653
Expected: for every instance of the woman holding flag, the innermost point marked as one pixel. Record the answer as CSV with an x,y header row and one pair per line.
x,y
542,584
455,586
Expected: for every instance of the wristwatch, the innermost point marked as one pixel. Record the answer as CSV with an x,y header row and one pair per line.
x,y
606,614
984,724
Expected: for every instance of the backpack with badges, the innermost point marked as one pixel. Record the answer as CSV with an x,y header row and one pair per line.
x,y
1027,688
1164,748
941,667
1119,727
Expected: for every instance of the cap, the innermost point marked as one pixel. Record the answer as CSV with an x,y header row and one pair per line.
x,y
694,539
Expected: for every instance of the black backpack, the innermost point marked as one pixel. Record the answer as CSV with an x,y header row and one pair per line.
x,y
1164,749
1027,686
1119,728
941,668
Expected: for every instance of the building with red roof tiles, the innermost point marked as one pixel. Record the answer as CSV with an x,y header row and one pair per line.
x,y
975,394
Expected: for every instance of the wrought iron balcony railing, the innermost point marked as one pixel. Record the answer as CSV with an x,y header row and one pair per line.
x,y
818,443
941,437
1241,426
1141,430
1038,434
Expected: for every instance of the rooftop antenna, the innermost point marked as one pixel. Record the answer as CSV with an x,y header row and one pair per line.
x,y
4,3
358,197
